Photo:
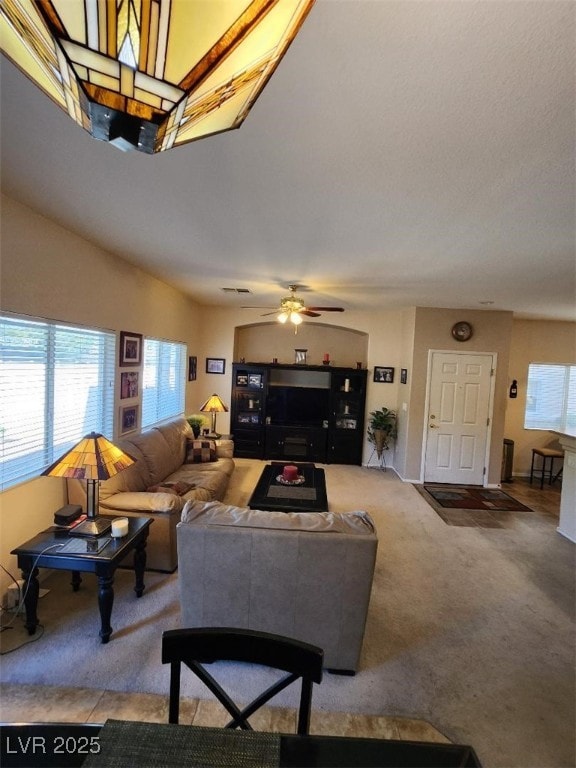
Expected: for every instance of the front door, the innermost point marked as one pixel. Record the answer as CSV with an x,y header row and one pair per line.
x,y
458,418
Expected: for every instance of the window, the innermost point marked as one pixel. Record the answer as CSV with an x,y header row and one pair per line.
x,y
56,384
551,397
164,380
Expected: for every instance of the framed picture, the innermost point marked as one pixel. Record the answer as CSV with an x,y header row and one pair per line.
x,y
128,418
300,356
215,365
129,384
383,374
241,380
130,348
403,375
255,380
192,362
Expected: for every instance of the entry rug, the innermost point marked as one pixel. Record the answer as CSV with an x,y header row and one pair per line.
x,y
471,505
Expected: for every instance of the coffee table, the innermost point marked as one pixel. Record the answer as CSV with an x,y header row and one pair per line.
x,y
272,495
101,556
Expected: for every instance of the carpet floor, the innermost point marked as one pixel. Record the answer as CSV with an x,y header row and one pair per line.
x,y
471,629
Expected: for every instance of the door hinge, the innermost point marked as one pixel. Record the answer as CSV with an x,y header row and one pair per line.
x,y
491,371
484,471
488,421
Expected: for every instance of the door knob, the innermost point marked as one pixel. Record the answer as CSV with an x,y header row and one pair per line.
x,y
433,426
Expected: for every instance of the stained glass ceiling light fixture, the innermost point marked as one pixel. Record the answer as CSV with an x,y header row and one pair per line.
x,y
149,75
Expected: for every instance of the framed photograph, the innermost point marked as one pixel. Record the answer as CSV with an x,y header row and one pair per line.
x,y
241,380
215,365
300,356
383,374
244,418
129,384
192,363
403,375
255,380
130,348
128,418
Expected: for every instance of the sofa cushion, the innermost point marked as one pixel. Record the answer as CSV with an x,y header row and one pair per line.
x,y
216,513
200,451
142,501
157,455
175,433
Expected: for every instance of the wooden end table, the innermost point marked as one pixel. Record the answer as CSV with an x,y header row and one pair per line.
x,y
51,549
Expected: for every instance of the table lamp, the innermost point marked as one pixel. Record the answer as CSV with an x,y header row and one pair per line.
x,y
214,406
93,459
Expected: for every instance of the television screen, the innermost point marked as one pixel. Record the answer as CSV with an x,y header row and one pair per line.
x,y
297,406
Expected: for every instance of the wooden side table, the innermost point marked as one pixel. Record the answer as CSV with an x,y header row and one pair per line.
x,y
51,549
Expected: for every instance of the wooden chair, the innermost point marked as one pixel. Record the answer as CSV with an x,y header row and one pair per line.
x,y
195,647
546,454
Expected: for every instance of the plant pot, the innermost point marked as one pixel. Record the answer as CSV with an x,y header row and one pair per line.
x,y
380,441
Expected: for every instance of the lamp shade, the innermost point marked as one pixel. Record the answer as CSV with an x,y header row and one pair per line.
x,y
214,405
151,74
93,458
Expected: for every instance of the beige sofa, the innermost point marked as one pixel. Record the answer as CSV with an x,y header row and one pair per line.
x,y
162,455
305,575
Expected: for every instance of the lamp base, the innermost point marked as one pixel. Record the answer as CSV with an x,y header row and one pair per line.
x,y
92,526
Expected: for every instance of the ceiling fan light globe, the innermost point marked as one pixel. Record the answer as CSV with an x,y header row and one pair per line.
x,y
295,318
282,317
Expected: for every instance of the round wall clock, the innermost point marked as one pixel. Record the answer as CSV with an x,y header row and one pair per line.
x,y
462,331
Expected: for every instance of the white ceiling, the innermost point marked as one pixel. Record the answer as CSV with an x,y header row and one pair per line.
x,y
404,153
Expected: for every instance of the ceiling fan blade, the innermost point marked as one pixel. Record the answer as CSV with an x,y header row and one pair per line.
x,y
260,306
309,313
326,309
269,313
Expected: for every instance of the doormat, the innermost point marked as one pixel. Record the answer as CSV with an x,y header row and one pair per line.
x,y
471,505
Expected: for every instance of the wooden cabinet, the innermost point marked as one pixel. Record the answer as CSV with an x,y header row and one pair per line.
x,y
346,426
298,413
248,401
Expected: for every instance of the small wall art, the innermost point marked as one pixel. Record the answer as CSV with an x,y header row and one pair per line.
x,y
192,364
128,418
130,348
129,384
383,374
403,375
215,365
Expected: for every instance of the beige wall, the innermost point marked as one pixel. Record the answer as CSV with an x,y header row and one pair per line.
x,y
48,272
432,331
534,342
345,346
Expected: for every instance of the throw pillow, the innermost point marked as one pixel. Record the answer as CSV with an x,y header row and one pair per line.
x,y
200,451
178,489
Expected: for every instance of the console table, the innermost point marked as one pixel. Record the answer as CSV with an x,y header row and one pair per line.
x,y
54,549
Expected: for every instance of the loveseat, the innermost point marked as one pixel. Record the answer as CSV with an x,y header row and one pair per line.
x,y
305,575
171,469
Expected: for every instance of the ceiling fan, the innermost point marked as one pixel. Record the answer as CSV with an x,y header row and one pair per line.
x,y
293,307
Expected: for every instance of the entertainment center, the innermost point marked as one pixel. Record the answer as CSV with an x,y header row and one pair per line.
x,y
298,412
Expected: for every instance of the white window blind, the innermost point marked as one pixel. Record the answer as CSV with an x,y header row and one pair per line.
x,y
56,385
551,397
164,380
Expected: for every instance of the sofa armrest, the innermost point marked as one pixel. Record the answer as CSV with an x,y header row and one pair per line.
x,y
142,501
224,449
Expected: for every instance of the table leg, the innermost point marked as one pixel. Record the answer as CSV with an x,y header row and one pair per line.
x,y
31,591
105,603
140,567
76,580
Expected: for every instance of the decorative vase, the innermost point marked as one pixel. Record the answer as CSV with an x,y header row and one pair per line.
x,y
380,441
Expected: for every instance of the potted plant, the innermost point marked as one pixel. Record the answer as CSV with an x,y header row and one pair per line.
x,y
196,422
382,429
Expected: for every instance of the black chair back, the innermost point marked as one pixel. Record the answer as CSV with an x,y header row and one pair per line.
x,y
195,647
